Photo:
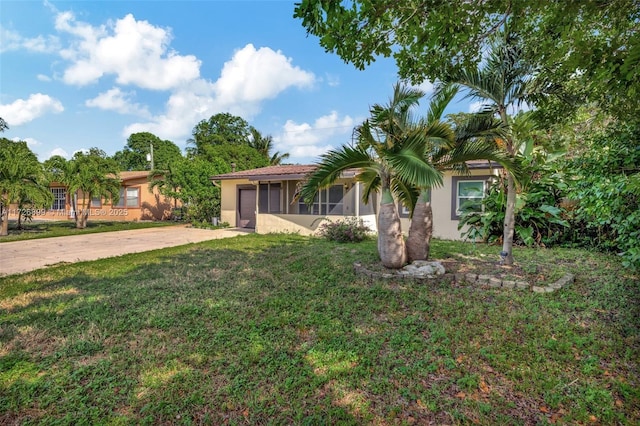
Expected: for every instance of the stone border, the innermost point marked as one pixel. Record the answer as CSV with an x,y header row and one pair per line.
x,y
486,281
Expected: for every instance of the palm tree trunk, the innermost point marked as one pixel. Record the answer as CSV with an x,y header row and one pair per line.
x,y
421,229
4,220
509,222
391,246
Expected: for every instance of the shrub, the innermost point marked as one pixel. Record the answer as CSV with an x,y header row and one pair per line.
x,y
348,230
540,218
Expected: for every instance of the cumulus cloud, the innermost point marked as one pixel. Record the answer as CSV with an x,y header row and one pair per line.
x,y
304,141
477,106
31,142
118,101
59,151
136,52
43,77
253,75
332,80
23,111
12,40
249,78
426,86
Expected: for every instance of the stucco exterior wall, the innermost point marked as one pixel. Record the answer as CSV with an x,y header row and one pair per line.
x,y
150,206
303,224
229,200
444,226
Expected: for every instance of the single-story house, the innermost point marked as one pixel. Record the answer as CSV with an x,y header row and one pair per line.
x,y
265,199
136,202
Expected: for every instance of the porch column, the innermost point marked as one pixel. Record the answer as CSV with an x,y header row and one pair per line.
x,y
357,200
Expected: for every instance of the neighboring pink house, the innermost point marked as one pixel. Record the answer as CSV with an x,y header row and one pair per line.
x,y
136,202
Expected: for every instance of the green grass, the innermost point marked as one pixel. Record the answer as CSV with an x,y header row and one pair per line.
x,y
279,330
46,229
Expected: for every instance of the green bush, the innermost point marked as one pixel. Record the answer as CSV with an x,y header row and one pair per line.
x,y
604,184
349,230
540,219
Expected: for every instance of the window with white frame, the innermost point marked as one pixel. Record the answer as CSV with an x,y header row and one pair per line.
x,y
59,198
468,192
129,197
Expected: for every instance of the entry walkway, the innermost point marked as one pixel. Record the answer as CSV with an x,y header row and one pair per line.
x,y
28,255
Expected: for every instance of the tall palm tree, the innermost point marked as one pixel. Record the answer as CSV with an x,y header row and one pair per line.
x,y
264,145
450,148
21,178
87,176
391,156
503,81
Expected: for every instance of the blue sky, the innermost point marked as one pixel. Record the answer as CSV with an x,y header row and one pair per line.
x,y
79,74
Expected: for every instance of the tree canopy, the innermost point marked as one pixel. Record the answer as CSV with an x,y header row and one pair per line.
x,y
219,129
134,154
590,48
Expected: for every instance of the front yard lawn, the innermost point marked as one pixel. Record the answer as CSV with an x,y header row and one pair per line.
x,y
279,330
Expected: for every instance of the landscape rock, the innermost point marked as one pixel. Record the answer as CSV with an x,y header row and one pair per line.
x,y
423,268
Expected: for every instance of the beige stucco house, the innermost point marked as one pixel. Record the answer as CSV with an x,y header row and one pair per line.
x,y
265,199
136,202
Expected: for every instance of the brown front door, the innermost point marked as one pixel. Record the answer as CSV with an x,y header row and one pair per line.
x,y
247,208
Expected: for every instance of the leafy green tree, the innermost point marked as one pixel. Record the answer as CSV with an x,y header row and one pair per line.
x,y
243,156
586,48
134,154
3,125
219,129
21,180
189,182
86,176
604,186
264,145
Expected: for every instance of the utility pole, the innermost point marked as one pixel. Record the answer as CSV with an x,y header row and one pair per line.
x,y
150,156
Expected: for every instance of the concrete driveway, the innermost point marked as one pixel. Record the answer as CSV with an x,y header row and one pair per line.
x,y
24,256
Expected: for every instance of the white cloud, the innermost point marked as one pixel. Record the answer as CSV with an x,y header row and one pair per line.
x,y
249,78
305,141
476,106
333,80
116,100
23,111
31,142
59,151
426,86
12,40
43,77
253,75
136,52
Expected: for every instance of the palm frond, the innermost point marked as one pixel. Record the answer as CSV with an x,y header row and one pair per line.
x,y
331,166
406,193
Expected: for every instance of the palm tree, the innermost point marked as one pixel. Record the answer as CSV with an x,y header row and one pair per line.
x,y
89,175
504,81
391,156
450,148
264,145
21,178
